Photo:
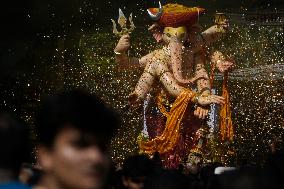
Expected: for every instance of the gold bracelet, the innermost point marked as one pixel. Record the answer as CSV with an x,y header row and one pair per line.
x,y
205,95
196,98
117,53
205,89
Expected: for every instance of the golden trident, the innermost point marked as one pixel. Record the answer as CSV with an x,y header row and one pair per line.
x,y
122,23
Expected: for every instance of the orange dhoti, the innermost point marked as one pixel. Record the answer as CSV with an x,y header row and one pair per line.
x,y
175,137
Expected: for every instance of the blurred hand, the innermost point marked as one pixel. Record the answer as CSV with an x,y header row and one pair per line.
x,y
123,44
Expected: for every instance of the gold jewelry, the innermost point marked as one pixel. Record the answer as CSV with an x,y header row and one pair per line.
x,y
196,98
167,50
146,71
117,53
205,89
204,95
165,71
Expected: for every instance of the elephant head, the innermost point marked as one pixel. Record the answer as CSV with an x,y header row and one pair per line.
x,y
175,38
171,27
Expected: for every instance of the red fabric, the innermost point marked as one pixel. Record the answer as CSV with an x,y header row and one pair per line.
x,y
172,19
155,124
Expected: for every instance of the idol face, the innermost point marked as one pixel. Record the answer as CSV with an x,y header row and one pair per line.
x,y
178,34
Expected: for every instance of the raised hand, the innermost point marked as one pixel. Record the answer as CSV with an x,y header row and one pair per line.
x,y
222,63
123,44
225,65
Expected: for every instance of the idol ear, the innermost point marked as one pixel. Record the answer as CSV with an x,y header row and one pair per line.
x,y
156,31
158,36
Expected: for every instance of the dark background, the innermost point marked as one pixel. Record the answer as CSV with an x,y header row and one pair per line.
x,y
33,30
25,22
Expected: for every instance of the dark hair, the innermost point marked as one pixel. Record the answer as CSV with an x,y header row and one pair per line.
x,y
137,166
167,179
80,110
14,143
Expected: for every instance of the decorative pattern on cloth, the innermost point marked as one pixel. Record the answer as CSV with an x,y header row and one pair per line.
x,y
161,107
175,15
171,134
213,67
226,125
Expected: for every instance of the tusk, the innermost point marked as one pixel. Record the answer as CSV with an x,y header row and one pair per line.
x,y
160,6
197,14
158,15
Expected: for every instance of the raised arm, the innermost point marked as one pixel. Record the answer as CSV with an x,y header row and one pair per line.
x,y
201,75
203,86
214,33
124,60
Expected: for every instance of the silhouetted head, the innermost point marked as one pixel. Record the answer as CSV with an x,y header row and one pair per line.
x,y
14,143
167,179
136,169
75,128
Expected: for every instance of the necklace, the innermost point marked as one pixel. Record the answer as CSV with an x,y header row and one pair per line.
x,y
167,50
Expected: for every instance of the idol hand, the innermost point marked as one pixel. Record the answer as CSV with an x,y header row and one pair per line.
x,y
201,112
225,65
210,99
123,44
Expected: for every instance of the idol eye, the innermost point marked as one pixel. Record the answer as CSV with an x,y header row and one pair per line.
x,y
168,35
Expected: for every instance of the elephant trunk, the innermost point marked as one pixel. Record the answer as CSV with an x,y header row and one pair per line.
x,y
176,60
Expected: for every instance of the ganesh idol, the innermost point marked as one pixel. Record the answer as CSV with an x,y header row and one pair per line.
x,y
176,77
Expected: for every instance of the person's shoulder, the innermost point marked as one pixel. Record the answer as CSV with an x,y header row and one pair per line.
x,y
14,185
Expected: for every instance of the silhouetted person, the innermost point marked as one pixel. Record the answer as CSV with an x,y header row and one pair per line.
x,y
167,179
135,171
157,160
75,129
14,148
247,178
